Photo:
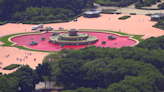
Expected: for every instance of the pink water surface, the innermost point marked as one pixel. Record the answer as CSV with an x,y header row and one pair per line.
x,y
46,46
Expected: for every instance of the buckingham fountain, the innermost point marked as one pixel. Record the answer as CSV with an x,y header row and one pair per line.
x,y
73,38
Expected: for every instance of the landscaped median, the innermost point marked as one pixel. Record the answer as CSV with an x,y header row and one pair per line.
x,y
12,66
123,17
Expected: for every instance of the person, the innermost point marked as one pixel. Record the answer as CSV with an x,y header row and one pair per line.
x,y
34,59
109,18
3,46
25,29
142,19
139,20
119,30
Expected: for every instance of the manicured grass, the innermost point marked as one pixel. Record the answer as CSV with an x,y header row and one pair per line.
x,y
124,17
9,44
12,66
137,37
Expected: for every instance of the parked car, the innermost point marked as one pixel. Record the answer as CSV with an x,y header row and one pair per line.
x,y
40,26
49,28
61,28
34,28
75,20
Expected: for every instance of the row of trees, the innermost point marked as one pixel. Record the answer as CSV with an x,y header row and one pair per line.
x,y
43,14
142,3
25,78
10,7
118,3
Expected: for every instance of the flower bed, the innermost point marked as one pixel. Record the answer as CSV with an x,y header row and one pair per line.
x,y
124,17
12,66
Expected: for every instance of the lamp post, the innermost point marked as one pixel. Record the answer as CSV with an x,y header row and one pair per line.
x,y
51,18
69,15
126,3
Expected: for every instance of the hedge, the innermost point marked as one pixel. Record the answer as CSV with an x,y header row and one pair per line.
x,y
118,13
12,66
4,22
44,22
148,14
107,12
124,17
133,14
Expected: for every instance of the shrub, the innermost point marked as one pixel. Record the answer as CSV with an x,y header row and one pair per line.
x,y
161,6
158,0
147,3
118,13
124,17
148,14
12,66
133,14
139,5
0,73
153,2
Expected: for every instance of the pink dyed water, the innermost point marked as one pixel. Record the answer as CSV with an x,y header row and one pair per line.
x,y
46,46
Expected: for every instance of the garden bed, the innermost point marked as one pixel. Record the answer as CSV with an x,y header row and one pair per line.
x,y
124,17
159,26
12,66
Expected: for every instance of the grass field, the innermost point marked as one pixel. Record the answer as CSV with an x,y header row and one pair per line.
x,y
12,66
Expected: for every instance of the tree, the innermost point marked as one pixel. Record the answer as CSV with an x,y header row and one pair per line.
x,y
18,16
9,84
44,70
27,78
51,17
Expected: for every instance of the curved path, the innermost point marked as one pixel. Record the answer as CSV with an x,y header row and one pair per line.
x,y
129,26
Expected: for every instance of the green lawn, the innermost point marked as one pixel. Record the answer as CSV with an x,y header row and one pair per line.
x,y
137,37
8,43
12,66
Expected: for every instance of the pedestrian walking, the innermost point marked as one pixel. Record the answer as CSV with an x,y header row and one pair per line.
x,y
25,29
139,20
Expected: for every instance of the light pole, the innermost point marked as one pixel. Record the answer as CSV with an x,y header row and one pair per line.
x,y
51,18
69,15
126,3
